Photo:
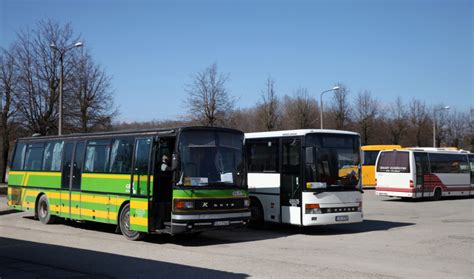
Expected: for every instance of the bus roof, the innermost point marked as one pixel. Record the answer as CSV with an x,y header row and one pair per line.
x,y
292,133
160,131
432,150
380,147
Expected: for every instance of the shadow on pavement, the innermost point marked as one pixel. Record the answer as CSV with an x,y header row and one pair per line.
x,y
410,200
25,259
208,238
9,211
366,226
268,231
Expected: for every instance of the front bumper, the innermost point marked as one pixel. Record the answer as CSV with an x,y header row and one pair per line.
x,y
186,222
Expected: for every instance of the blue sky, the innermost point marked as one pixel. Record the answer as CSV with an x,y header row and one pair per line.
x,y
413,49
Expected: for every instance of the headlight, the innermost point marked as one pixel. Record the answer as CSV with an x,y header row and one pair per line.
x,y
180,204
246,203
312,208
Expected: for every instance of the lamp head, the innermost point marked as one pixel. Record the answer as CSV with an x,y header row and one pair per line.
x,y
335,88
78,44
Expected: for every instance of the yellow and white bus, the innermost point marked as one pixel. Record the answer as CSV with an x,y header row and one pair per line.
x,y
369,156
304,177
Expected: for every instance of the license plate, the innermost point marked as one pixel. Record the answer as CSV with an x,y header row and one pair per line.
x,y
221,223
342,218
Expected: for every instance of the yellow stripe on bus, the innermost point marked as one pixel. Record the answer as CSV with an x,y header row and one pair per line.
x,y
138,221
139,204
115,176
110,176
96,213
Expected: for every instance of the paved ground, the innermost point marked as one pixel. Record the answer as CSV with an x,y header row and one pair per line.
x,y
3,189
397,239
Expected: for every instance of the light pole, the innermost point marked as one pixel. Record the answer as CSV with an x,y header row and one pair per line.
x,y
434,122
62,52
321,102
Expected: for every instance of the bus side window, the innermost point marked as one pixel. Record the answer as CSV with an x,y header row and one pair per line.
x,y
34,156
263,156
52,156
121,156
97,156
19,157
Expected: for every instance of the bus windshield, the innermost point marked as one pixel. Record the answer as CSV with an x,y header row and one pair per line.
x,y
370,157
211,158
335,163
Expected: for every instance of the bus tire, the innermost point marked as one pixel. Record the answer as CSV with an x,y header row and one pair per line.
x,y
124,224
43,212
256,213
437,194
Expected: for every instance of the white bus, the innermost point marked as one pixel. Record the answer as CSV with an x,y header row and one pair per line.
x,y
304,177
424,173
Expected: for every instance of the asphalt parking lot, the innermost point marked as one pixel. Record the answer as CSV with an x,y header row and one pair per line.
x,y
398,239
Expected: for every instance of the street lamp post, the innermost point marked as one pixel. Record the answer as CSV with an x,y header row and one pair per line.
x,y
321,102
434,122
62,52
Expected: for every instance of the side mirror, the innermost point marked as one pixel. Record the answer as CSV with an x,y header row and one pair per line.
x,y
174,161
309,155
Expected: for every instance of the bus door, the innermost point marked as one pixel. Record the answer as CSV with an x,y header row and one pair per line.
x,y
422,169
71,179
140,181
290,181
163,181
471,165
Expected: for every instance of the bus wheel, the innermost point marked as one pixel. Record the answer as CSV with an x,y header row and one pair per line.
x,y
124,223
42,209
256,211
437,194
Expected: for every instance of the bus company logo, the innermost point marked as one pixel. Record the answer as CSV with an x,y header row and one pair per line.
x,y
237,194
205,204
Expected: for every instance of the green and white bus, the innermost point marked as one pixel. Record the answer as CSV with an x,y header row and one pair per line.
x,y
124,178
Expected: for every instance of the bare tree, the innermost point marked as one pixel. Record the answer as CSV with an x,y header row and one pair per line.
x,y
441,120
340,108
458,128
300,110
246,120
268,110
91,105
419,120
397,121
366,111
208,100
39,75
8,82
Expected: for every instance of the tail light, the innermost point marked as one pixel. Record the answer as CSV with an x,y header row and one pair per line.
x,y
412,185
360,207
